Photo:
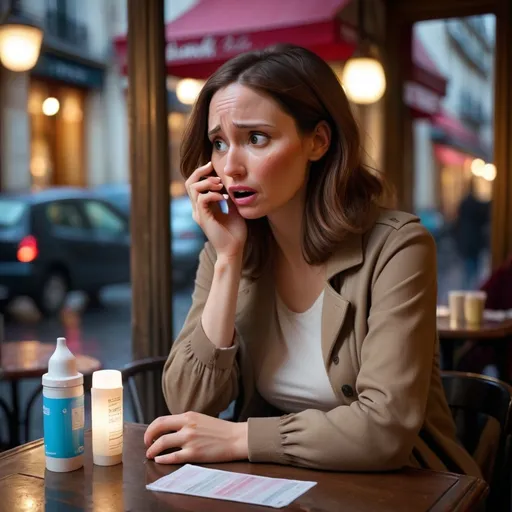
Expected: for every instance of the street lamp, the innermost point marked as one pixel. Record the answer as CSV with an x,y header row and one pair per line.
x,y
363,76
20,42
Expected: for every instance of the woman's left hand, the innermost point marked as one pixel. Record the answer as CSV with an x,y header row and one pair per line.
x,y
197,438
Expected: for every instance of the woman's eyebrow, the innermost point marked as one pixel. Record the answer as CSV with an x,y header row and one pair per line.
x,y
240,125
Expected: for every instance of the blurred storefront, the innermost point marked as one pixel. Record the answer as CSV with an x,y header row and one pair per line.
x,y
64,122
57,100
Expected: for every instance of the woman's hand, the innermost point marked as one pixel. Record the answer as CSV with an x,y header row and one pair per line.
x,y
226,232
197,438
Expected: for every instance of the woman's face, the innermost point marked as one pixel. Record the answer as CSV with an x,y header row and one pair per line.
x,y
257,151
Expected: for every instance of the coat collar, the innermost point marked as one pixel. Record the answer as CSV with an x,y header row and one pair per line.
x,y
348,255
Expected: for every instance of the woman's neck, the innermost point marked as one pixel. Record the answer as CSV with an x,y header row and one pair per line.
x,y
286,226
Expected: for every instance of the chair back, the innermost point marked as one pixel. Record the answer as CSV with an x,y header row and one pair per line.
x,y
481,408
143,384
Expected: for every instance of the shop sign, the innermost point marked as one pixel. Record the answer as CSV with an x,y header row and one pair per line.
x,y
208,48
69,71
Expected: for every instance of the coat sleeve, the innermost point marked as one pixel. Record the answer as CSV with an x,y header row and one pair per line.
x,y
378,431
197,375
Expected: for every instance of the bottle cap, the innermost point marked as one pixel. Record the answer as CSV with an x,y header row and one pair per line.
x,y
62,370
107,379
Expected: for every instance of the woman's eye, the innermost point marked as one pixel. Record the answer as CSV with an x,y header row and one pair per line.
x,y
258,139
219,145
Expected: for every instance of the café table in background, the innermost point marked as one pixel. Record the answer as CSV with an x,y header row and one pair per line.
x,y
497,332
24,481
21,360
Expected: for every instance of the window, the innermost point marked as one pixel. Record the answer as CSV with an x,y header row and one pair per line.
x,y
65,214
11,212
102,218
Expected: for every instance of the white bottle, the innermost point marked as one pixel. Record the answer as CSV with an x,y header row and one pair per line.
x,y
63,411
107,417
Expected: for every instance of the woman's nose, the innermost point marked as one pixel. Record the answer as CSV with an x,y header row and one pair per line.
x,y
234,166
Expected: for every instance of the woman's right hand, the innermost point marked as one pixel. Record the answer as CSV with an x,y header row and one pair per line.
x,y
226,232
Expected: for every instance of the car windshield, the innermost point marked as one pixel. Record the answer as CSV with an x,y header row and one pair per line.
x,y
11,212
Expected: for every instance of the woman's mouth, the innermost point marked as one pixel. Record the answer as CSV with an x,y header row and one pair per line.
x,y
242,196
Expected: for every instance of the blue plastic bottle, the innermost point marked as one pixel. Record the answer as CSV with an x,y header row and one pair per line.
x,y
63,411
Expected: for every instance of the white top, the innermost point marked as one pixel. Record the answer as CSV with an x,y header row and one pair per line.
x,y
292,374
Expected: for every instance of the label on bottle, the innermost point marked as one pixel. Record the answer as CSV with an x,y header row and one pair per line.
x,y
63,426
115,425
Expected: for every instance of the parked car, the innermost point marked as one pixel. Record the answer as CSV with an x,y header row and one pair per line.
x,y
60,240
187,238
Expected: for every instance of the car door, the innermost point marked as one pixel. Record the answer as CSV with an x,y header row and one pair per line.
x,y
112,238
69,241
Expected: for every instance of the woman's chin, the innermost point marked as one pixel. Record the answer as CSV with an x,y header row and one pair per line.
x,y
251,213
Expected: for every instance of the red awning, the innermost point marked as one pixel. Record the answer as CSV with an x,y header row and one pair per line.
x,y
213,31
449,131
455,129
424,69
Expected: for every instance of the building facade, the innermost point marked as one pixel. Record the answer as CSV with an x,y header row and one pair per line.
x,y
64,122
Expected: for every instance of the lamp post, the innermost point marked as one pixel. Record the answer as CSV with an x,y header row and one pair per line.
x,y
20,41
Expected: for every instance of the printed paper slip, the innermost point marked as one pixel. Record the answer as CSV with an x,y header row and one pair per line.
x,y
225,485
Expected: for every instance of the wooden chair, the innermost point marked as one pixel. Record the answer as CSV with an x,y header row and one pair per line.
x,y
143,385
481,407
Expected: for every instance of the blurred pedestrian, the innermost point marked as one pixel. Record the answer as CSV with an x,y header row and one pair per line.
x,y
471,235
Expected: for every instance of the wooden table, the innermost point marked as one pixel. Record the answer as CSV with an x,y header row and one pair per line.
x,y
25,360
489,329
496,332
24,483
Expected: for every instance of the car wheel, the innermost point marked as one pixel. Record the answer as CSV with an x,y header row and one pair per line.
x,y
53,293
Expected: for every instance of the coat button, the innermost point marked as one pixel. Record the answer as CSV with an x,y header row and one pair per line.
x,y
347,390
336,360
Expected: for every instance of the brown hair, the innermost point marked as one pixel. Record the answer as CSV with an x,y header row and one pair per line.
x,y
342,194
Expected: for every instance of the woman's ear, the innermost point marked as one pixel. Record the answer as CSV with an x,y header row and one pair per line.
x,y
320,141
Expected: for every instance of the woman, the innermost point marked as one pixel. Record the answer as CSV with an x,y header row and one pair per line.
x,y
313,308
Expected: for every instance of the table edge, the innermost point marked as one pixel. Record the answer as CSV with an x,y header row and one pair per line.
x,y
21,448
474,493
468,500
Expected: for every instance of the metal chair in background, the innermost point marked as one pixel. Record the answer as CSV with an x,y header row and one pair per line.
x,y
481,407
143,385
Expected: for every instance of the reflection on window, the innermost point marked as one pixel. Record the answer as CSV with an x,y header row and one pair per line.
x,y
103,218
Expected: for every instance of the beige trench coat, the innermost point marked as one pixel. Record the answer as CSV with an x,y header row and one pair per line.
x,y
381,353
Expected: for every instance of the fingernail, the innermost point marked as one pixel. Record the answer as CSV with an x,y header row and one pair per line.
x,y
158,459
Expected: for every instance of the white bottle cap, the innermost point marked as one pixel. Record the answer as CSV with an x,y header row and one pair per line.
x,y
62,371
107,379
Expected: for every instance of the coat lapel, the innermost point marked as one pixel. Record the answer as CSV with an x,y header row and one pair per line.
x,y
334,312
335,306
